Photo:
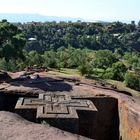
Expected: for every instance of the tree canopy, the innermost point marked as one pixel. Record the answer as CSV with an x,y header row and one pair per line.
x,y
116,36
12,41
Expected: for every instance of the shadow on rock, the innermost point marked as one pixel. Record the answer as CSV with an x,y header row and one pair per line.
x,y
45,84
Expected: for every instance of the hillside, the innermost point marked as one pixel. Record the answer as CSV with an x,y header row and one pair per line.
x,y
117,37
23,18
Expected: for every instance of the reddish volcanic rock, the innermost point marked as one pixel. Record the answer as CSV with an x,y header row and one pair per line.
x,y
118,115
13,127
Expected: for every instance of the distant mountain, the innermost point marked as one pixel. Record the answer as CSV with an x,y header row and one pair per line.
x,y
35,17
99,21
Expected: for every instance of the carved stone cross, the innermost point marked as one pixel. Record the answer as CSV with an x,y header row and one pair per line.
x,y
59,110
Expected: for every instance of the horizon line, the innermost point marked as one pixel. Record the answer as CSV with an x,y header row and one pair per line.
x,y
78,18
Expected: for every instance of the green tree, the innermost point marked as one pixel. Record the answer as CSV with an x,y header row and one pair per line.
x,y
77,58
132,80
12,41
103,59
118,69
50,59
8,65
85,69
34,58
132,60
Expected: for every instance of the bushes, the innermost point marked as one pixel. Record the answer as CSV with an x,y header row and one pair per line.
x,y
8,66
103,59
116,72
85,69
132,80
118,69
108,74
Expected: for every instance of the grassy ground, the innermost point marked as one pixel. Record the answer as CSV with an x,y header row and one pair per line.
x,y
73,72
65,72
121,86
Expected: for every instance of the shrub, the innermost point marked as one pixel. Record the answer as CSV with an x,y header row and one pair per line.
x,y
103,59
85,69
118,69
132,80
108,74
116,72
8,66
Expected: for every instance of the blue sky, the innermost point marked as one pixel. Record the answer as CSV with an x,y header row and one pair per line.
x,y
124,10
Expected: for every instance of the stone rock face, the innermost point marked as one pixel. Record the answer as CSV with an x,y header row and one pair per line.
x,y
13,127
107,119
129,114
117,118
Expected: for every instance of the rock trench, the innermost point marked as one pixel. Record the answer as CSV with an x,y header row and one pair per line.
x,y
101,124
